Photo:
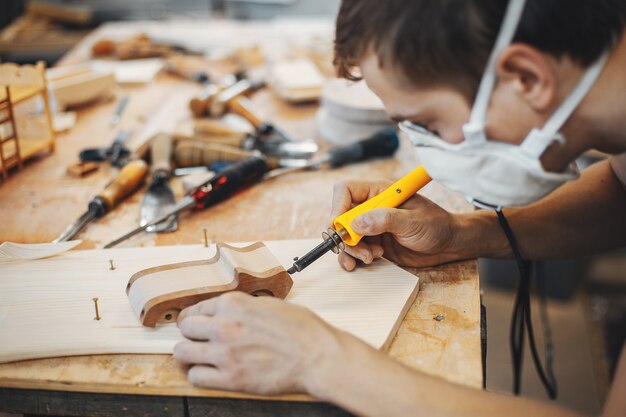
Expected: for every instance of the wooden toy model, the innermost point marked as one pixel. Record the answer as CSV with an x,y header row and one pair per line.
x,y
18,84
158,294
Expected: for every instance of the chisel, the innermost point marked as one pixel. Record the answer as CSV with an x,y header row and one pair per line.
x,y
341,234
127,181
221,186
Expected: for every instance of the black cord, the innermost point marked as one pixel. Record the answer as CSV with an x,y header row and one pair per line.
x,y
521,320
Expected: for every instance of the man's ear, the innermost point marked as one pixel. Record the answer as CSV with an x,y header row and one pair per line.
x,y
530,74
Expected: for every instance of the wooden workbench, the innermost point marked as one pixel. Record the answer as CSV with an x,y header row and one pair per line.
x,y
36,205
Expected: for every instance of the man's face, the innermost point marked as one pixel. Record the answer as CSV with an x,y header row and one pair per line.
x,y
444,110
440,110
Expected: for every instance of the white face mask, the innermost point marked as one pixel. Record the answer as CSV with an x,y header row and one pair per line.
x,y
498,174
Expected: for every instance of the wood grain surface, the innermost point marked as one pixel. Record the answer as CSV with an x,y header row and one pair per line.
x,y
37,203
46,307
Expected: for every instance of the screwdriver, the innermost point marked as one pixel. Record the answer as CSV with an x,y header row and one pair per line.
x,y
233,178
341,234
383,143
129,179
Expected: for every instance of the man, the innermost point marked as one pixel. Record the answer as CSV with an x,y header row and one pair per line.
x,y
498,103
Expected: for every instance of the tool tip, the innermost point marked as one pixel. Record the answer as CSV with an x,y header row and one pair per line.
x,y
292,270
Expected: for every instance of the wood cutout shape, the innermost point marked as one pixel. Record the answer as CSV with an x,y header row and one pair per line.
x,y
47,308
158,294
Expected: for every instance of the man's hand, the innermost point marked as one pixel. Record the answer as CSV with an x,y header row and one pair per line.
x,y
259,345
418,233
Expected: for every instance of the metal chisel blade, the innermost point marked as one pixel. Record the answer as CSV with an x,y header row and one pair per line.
x,y
186,203
157,202
76,227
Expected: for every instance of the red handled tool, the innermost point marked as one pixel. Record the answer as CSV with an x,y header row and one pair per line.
x,y
221,186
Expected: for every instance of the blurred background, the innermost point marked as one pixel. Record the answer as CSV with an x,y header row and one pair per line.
x,y
48,28
587,297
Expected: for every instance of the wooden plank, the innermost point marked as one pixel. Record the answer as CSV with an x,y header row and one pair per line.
x,y
56,403
51,403
204,407
46,307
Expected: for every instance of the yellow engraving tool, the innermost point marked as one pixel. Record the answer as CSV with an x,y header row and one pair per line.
x,y
342,233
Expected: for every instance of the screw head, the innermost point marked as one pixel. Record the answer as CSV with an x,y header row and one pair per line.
x,y
398,190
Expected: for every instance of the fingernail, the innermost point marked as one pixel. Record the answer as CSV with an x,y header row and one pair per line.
x,y
369,257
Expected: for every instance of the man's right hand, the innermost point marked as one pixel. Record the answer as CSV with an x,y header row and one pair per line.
x,y
418,233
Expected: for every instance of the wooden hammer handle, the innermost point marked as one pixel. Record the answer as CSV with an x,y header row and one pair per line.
x,y
189,154
243,107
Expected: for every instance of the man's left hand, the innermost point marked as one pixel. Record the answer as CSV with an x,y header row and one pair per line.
x,y
259,345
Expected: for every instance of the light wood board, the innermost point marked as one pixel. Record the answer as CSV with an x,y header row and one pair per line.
x,y
46,307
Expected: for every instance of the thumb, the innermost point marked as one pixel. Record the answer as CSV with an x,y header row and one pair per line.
x,y
378,221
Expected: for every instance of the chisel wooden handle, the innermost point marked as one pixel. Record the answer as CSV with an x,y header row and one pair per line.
x,y
128,180
161,153
216,128
189,154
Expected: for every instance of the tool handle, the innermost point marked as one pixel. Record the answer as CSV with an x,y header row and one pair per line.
x,y
243,107
210,127
383,143
195,153
230,180
392,197
127,181
161,153
199,105
218,106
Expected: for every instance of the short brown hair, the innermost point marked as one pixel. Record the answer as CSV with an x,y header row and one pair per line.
x,y
448,42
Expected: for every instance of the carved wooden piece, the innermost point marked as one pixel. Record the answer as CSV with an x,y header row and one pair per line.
x,y
158,294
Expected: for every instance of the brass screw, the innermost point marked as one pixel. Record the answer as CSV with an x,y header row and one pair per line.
x,y
95,303
112,268
206,238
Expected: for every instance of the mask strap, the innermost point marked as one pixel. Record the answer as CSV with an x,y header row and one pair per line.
x,y
539,139
505,36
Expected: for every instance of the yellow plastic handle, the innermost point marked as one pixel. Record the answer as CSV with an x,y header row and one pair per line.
x,y
392,197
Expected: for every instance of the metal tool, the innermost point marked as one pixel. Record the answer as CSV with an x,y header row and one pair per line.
x,y
268,138
128,180
121,106
382,144
214,97
341,234
220,187
117,154
159,198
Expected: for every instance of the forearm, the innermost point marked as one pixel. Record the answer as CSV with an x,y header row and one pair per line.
x,y
370,384
583,217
